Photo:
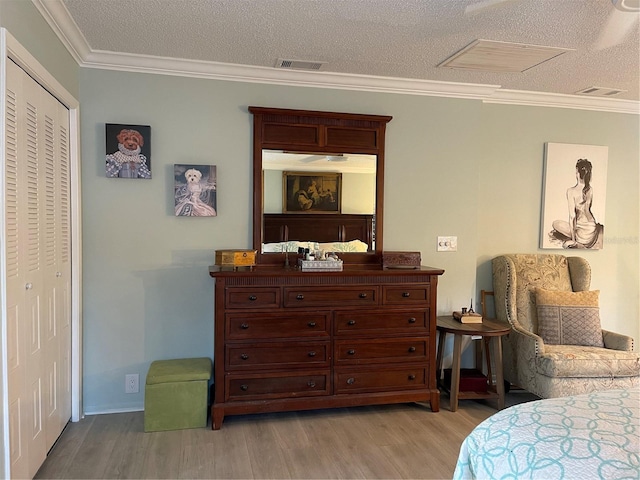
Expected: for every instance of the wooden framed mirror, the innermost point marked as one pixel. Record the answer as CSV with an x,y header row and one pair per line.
x,y
291,147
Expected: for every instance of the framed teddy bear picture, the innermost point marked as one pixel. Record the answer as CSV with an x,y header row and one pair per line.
x,y
128,151
195,190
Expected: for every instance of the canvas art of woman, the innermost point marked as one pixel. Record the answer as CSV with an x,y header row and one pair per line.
x,y
581,230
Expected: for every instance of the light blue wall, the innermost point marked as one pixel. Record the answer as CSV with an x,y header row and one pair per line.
x,y
454,167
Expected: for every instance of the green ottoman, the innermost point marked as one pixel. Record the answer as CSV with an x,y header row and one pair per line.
x,y
175,394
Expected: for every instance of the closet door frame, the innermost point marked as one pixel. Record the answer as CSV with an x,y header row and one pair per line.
x,y
11,49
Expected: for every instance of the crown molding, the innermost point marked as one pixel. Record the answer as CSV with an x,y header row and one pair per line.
x,y
58,17
268,75
540,99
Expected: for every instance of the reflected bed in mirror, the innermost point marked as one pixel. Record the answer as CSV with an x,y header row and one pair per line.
x,y
332,233
327,211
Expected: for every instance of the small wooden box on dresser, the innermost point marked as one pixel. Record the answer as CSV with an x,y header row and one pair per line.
x,y
292,340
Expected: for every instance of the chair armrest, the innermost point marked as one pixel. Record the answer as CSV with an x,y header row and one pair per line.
x,y
527,348
529,341
617,341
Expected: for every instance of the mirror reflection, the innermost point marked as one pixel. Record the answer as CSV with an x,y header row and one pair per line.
x,y
310,190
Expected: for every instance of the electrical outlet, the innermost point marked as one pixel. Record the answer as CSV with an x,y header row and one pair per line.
x,y
447,244
131,383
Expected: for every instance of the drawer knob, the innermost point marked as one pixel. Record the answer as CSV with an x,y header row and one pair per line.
x,y
244,356
244,387
412,349
311,384
363,295
406,294
351,381
351,322
412,320
412,377
312,353
300,297
244,326
312,324
351,352
253,298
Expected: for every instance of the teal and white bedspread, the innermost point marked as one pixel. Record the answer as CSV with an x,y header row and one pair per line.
x,y
590,436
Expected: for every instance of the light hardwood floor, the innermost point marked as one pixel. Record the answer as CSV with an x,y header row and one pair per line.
x,y
388,441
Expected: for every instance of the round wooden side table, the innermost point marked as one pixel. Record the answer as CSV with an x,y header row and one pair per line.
x,y
489,329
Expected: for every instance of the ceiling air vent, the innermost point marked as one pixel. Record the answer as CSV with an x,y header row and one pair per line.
x,y
493,56
600,92
299,64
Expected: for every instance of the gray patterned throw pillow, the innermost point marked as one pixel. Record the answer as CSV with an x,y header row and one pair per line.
x,y
569,318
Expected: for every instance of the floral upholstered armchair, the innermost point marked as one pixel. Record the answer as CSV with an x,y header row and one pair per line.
x,y
556,346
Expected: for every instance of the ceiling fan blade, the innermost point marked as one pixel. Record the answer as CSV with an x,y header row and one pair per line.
x,y
618,25
485,5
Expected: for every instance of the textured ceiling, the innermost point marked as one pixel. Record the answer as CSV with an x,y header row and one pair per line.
x,y
387,38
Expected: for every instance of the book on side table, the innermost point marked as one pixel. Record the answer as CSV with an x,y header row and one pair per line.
x,y
467,317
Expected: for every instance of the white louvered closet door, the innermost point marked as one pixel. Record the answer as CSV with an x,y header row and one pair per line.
x,y
38,270
54,247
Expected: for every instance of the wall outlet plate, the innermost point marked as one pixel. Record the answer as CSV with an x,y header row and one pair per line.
x,y
132,383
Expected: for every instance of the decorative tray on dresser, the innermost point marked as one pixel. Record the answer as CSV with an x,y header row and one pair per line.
x,y
287,339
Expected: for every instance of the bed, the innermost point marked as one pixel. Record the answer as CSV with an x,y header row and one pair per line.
x,y
595,435
339,233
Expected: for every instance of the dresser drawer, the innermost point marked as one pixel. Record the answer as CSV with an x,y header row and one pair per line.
x,y
250,326
350,380
391,350
406,295
381,322
277,385
269,355
330,296
255,297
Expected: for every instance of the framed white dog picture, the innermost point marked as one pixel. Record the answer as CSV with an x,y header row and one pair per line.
x,y
128,151
195,190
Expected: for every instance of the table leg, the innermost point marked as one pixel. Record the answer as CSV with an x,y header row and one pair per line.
x,y
477,347
487,354
455,373
499,371
440,353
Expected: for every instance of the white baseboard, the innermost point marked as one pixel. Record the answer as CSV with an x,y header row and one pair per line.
x,y
114,410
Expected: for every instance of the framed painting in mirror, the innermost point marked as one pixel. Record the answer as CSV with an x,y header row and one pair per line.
x,y
310,192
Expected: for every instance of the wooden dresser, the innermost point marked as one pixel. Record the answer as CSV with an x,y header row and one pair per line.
x,y
292,340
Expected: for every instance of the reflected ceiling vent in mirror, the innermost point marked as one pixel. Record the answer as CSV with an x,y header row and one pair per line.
x,y
289,64
492,56
600,92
